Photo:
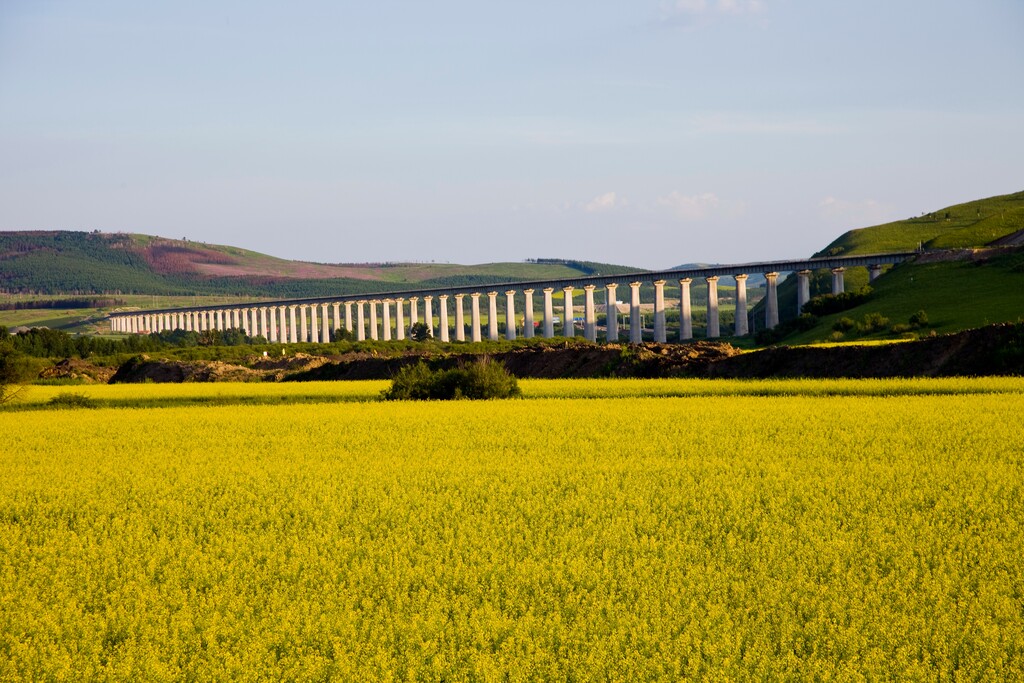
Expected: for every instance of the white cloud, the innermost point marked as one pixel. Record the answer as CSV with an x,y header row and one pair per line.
x,y
604,202
695,12
691,207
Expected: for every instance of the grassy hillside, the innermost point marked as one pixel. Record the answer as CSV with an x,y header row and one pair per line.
x,y
962,226
973,224
955,295
78,262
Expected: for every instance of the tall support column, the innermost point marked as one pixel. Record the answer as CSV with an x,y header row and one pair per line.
x,y
282,312
659,312
264,330
428,314
314,328
549,313
492,316
303,325
246,322
460,318
568,327
387,319
360,321
611,313
399,319
636,332
837,280
475,316
236,318
220,320
740,328
685,313
348,317
528,314
337,319
293,331
413,311
325,327
803,289
255,315
510,314
589,314
373,320
273,324
713,330
771,300
873,272
442,303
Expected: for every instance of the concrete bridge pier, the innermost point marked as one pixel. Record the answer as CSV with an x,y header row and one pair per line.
x,y
374,332
528,314
611,313
771,300
292,330
636,332
713,330
348,316
549,313
492,316
314,329
475,316
740,328
428,315
803,289
874,271
413,311
589,314
360,321
460,317
568,328
325,326
387,319
510,314
659,312
442,302
837,280
399,318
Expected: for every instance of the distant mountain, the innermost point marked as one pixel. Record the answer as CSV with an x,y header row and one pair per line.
x,y
55,262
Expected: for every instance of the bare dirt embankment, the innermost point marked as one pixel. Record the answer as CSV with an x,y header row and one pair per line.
x,y
992,350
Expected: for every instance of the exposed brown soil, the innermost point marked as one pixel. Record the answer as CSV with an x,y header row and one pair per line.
x,y
80,370
992,350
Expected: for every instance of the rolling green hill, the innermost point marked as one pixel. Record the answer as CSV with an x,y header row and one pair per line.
x,y
979,289
973,224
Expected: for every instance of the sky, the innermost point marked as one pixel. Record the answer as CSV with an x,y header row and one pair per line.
x,y
648,133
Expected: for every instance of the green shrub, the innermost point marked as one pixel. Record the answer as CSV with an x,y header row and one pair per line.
x,y
919,319
873,322
70,400
826,304
483,379
844,324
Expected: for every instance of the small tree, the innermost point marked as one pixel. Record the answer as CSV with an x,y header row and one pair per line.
x,y
419,332
484,379
10,374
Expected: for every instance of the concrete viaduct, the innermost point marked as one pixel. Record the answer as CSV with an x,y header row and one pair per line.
x,y
298,320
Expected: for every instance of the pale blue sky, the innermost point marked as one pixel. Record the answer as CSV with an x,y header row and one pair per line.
x,y
647,133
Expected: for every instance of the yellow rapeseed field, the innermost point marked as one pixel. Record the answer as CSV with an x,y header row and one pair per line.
x,y
617,530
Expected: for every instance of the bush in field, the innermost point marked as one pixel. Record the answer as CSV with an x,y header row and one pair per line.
x,y
825,304
419,332
71,400
484,379
873,322
844,324
919,319
12,373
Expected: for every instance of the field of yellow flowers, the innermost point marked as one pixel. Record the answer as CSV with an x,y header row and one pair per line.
x,y
611,530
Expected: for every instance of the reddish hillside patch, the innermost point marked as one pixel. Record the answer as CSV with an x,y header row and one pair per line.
x,y
174,259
